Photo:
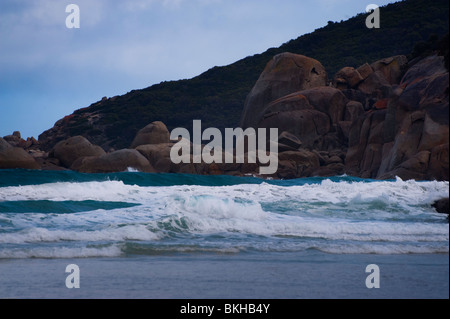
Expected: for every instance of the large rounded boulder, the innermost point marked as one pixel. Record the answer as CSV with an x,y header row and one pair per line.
x,y
15,157
154,133
68,151
286,73
310,115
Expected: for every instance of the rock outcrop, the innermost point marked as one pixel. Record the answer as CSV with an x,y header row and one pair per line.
x,y
312,115
286,73
408,137
117,161
68,151
15,139
154,133
442,206
15,157
158,155
380,120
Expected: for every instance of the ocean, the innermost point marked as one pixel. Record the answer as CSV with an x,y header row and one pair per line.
x,y
175,236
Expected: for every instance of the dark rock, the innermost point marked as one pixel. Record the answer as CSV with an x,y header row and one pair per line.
x,y
328,100
365,145
357,96
354,110
15,157
365,70
118,161
442,206
417,163
249,168
344,129
427,67
155,152
347,78
68,151
32,144
163,165
433,134
286,73
376,85
392,68
288,142
424,83
403,173
305,162
438,168
159,157
407,135
371,160
50,164
15,140
334,169
307,125
292,102
184,168
312,116
154,133
287,170
333,160
390,122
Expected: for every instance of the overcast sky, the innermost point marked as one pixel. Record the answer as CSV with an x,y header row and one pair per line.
x,y
47,70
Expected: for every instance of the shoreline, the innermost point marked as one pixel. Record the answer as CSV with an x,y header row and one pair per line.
x,y
304,275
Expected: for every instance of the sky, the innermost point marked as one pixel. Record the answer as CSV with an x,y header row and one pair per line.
x,y
47,70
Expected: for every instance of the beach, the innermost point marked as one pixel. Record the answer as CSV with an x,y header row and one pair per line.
x,y
307,275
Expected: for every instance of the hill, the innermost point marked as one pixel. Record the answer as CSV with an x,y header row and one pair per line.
x,y
217,96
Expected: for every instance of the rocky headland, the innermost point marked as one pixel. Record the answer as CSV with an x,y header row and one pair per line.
x,y
380,120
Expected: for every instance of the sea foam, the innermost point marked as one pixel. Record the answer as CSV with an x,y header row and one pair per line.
x,y
378,217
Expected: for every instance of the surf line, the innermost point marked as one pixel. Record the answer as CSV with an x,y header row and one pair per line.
x,y
213,152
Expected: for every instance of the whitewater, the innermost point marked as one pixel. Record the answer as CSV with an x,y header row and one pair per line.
x,y
132,216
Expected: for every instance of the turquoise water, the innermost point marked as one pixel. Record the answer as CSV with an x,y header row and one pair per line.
x,y
130,218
